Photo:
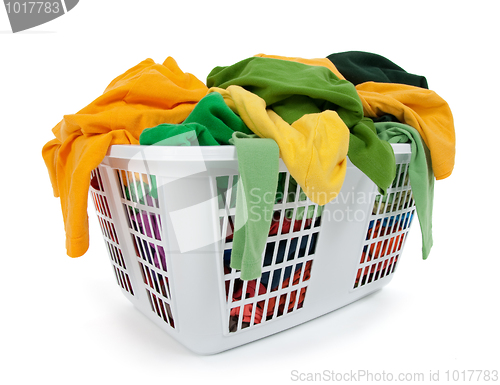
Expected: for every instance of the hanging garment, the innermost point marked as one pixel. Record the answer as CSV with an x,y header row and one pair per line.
x,y
144,96
359,67
292,90
419,172
258,164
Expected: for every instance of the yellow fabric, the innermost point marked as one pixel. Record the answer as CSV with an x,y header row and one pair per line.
x,y
144,96
316,62
314,148
420,108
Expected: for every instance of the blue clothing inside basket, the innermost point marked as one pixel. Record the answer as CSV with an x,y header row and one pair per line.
x,y
280,255
404,221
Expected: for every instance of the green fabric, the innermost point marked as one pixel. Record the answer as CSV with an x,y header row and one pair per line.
x,y
258,161
419,172
166,134
213,113
294,89
359,67
209,124
374,157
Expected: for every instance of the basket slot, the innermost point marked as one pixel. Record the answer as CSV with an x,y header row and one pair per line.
x,y
106,223
392,215
250,312
139,199
227,201
161,308
123,279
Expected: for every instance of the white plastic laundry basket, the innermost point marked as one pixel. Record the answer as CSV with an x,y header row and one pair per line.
x,y
167,216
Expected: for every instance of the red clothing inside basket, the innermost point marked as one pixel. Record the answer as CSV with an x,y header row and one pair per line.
x,y
259,311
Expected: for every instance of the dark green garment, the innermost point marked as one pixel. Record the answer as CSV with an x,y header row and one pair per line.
x,y
385,118
419,172
294,89
359,67
258,161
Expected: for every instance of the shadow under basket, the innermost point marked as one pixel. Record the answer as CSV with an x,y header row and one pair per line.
x,y
167,218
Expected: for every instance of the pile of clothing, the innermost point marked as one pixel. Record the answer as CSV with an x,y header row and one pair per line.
x,y
311,113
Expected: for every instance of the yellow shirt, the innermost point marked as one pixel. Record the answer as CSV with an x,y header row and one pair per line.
x,y
420,108
314,148
144,96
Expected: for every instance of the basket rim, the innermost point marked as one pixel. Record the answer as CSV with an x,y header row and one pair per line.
x,y
195,153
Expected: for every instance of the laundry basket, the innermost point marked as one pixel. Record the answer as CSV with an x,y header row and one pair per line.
x,y
167,215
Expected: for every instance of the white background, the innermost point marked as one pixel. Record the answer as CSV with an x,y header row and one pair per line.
x,y
64,321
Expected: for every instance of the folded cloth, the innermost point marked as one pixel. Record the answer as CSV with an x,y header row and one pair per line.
x,y
419,172
420,108
293,89
313,148
359,67
144,96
